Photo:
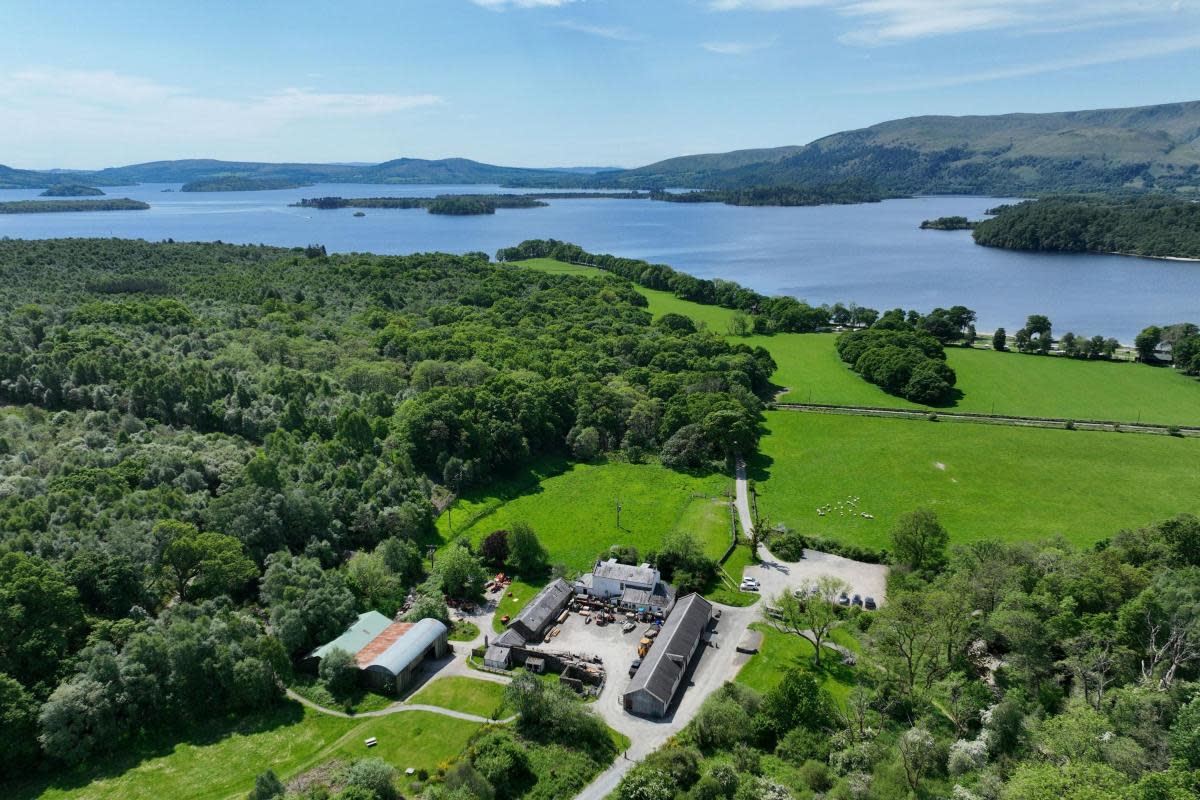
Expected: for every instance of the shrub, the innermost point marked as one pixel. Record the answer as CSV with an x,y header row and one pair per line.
x,y
375,775
502,761
816,775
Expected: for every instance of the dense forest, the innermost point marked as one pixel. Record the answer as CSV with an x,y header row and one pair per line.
x,y
60,206
233,183
835,193
996,671
196,438
1141,226
452,204
71,190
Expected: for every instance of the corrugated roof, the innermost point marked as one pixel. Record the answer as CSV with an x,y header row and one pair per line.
x,y
411,645
626,573
358,635
664,665
543,608
381,642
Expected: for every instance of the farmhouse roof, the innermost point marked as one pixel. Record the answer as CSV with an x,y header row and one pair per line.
x,y
663,666
626,573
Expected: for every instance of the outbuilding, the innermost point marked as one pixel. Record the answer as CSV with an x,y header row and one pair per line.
x,y
537,616
389,654
653,687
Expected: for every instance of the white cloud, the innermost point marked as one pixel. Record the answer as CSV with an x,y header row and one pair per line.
x,y
881,21
1112,54
734,48
44,109
502,4
616,34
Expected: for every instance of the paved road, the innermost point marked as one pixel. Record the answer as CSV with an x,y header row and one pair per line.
x,y
989,419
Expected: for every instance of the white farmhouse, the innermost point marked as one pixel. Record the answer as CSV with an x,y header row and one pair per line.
x,y
634,588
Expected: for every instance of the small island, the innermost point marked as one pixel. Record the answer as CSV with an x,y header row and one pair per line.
x,y
58,206
844,193
449,204
71,190
1149,226
233,183
948,224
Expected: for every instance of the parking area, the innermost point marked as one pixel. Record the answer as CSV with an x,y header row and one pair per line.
x,y
776,575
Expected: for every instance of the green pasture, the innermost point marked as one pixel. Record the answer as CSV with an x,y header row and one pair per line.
x,y
989,382
984,481
573,508
218,760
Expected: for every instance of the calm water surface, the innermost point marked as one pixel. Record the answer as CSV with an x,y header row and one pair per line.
x,y
872,254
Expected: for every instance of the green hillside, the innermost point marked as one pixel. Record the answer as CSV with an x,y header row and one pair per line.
x,y
1144,147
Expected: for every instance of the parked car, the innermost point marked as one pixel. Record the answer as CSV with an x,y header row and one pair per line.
x,y
844,599
749,587
633,668
856,600
869,604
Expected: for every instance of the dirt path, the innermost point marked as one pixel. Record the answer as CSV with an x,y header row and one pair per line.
x,y
398,708
991,419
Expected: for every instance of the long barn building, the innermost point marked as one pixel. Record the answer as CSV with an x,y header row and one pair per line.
x,y
653,688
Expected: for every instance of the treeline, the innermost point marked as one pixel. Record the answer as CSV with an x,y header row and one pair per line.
x,y
237,184
71,190
834,193
57,206
903,352
265,428
994,671
765,314
1179,344
1142,226
452,204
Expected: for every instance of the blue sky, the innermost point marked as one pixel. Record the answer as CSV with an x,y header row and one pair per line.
x,y
553,82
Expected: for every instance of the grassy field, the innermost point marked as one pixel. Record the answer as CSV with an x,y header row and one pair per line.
x,y
469,695
997,383
781,652
220,760
990,382
983,480
362,699
572,507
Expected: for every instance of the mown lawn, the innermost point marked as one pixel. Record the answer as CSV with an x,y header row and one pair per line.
x,y
468,695
782,652
220,759
984,481
572,508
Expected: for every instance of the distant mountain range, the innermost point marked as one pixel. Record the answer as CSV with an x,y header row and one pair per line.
x,y
1149,147
401,170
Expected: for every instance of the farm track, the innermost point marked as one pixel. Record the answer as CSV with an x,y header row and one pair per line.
x,y
994,419
398,708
